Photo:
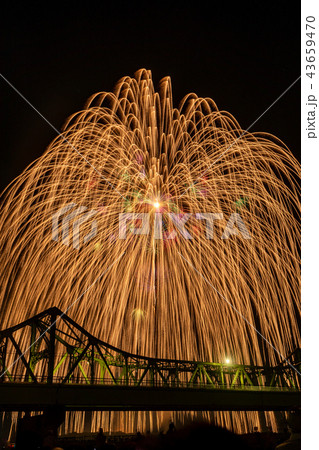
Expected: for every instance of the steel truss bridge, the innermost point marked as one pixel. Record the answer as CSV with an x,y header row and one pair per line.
x,y
51,361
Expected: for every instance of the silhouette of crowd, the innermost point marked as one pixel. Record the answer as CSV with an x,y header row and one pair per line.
x,y
196,435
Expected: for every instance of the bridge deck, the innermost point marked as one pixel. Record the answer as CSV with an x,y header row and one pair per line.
x,y
29,396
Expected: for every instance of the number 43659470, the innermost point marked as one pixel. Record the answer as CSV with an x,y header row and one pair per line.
x,y
310,50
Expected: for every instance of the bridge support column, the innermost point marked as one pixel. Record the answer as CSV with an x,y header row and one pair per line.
x,y
5,425
294,421
88,421
262,422
41,430
281,421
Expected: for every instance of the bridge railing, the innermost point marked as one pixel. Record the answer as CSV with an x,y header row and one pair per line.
x,y
59,380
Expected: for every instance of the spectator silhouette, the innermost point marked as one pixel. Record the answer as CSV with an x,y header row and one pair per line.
x,y
171,428
100,439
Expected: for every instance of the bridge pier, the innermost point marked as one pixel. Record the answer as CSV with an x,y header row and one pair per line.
x,y
40,430
5,426
281,421
87,421
262,421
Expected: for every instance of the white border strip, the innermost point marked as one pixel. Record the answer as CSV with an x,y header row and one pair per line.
x,y
310,247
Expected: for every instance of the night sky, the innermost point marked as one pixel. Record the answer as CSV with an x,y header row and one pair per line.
x,y
58,54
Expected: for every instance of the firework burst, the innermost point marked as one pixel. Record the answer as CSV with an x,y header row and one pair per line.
x,y
132,151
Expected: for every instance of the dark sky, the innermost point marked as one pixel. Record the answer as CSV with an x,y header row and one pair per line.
x,y
58,54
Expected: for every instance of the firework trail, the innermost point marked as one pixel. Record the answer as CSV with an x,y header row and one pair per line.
x,y
131,151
